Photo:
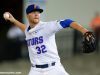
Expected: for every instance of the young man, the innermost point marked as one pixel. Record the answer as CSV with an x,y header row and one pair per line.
x,y
40,37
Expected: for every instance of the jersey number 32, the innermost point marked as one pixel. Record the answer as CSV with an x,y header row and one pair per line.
x,y
41,49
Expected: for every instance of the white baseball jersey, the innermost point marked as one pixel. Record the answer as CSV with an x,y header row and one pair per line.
x,y
41,42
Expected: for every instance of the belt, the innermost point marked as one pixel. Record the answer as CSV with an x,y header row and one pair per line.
x,y
44,65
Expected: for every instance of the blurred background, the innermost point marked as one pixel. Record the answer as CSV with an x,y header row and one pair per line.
x,y
13,48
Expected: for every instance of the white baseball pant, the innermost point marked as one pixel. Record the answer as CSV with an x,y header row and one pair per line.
x,y
57,69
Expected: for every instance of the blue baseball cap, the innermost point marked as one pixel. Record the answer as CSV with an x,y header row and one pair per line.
x,y
32,8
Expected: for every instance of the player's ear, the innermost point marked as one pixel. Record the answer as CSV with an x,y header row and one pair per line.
x,y
27,16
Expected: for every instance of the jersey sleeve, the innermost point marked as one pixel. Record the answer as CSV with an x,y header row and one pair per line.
x,y
55,26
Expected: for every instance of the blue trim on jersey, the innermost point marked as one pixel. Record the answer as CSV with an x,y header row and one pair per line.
x,y
66,23
28,28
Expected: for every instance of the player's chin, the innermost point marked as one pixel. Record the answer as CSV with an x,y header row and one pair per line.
x,y
36,21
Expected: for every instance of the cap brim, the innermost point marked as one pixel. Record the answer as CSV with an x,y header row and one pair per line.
x,y
40,10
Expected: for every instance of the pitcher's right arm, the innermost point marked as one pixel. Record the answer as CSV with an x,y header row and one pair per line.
x,y
15,22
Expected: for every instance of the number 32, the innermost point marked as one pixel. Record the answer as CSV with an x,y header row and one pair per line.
x,y
41,49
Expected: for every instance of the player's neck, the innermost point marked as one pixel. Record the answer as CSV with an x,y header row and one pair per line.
x,y
32,25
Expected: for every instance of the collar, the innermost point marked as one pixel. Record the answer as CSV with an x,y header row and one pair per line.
x,y
28,28
35,26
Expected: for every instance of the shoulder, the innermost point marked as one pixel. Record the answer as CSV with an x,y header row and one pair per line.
x,y
51,22
55,23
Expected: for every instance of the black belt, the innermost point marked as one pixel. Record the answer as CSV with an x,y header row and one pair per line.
x,y
44,65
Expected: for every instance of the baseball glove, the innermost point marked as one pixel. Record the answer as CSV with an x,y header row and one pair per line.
x,y
89,44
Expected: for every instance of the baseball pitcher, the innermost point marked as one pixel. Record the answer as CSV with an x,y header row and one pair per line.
x,y
40,37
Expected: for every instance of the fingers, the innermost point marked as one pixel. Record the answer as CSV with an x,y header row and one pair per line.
x,y
8,16
89,37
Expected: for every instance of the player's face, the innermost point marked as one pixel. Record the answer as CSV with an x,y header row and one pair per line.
x,y
34,17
